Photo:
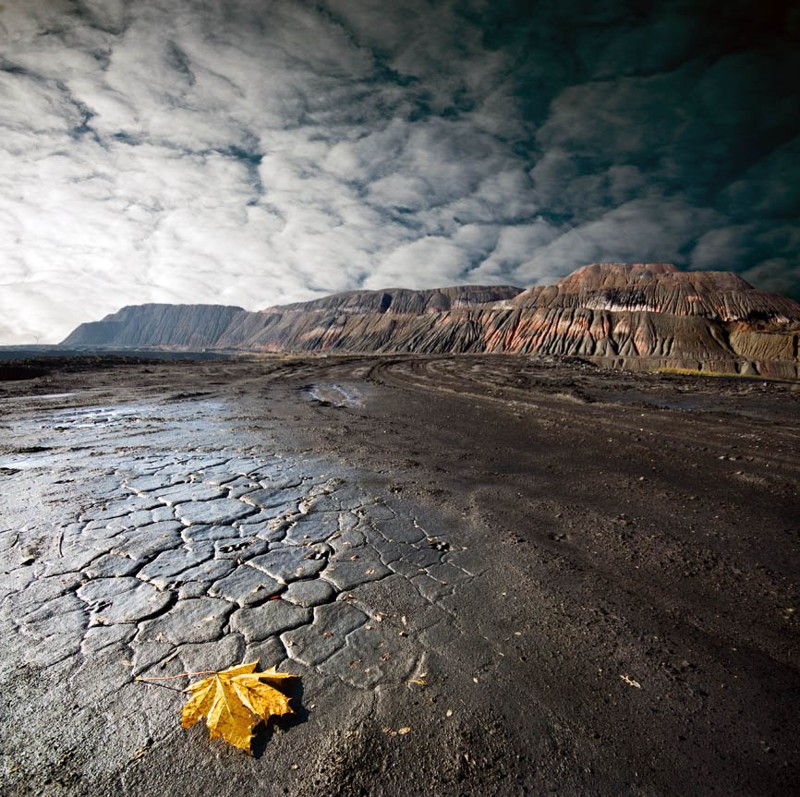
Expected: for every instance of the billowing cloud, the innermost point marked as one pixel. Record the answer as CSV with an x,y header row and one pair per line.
x,y
254,153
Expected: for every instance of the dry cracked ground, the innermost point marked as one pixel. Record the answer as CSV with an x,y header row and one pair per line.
x,y
492,575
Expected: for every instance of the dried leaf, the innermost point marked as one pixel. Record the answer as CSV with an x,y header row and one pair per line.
x,y
234,700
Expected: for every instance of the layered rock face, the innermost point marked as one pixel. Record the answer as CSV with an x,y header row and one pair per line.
x,y
628,315
433,321
184,326
654,315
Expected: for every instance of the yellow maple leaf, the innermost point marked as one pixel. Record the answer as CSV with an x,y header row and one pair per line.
x,y
234,700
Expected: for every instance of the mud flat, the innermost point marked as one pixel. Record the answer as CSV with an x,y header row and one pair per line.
x,y
494,575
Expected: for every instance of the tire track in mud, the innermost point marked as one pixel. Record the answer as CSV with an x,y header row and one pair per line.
x,y
564,404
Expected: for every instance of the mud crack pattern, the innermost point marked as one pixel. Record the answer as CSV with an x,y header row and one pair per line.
x,y
197,557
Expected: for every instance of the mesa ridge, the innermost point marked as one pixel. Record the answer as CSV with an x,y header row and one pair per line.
x,y
639,316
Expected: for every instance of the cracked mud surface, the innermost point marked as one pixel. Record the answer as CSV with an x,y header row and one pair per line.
x,y
494,576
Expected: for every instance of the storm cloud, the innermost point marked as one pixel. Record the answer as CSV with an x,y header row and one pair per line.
x,y
254,153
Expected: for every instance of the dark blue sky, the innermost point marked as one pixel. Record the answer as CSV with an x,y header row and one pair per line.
x,y
252,153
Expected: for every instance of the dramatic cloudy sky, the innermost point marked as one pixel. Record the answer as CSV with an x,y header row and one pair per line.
x,y
254,152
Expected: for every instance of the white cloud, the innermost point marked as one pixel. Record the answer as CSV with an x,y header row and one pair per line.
x,y
429,262
721,247
515,249
253,153
638,231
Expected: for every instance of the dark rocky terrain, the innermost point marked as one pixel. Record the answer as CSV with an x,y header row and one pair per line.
x,y
496,575
639,317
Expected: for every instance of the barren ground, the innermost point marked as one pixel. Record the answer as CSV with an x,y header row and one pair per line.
x,y
550,578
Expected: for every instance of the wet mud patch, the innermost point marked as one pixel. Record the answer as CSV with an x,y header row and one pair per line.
x,y
334,395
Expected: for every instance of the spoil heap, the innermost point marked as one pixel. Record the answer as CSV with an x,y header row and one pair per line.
x,y
636,316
